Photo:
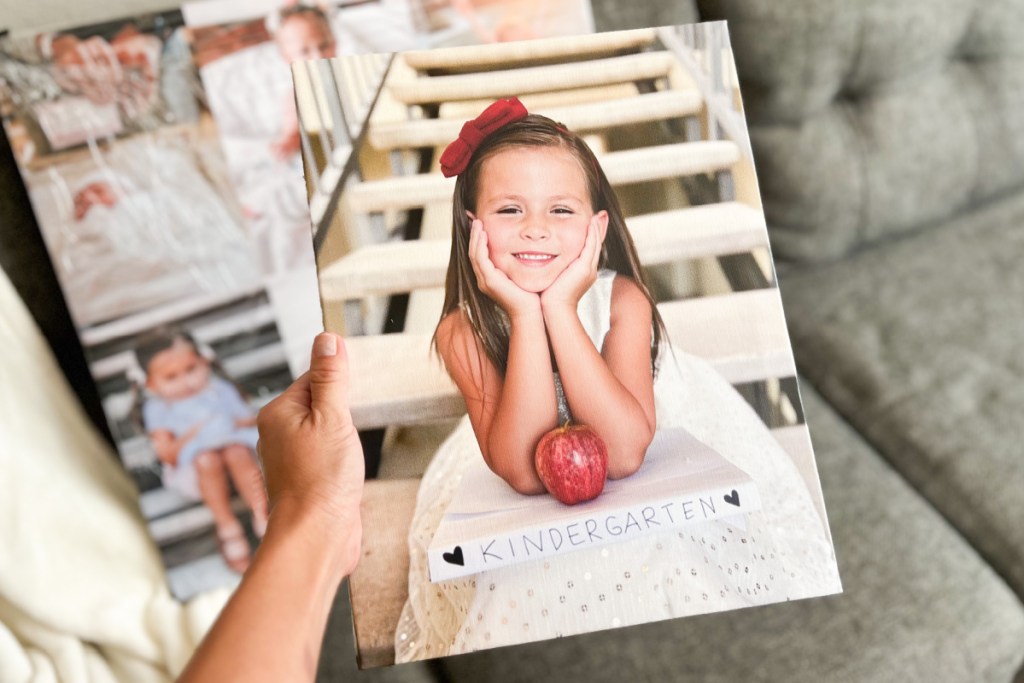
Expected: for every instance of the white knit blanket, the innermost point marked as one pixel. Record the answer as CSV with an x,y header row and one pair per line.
x,y
83,596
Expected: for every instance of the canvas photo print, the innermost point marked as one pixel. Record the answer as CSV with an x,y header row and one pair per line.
x,y
551,265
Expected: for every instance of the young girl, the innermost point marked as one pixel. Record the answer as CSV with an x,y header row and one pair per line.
x,y
537,225
544,290
204,434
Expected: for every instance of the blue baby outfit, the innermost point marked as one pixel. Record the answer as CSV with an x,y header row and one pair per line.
x,y
217,407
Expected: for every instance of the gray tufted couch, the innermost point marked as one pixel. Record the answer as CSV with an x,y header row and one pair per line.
x,y
889,140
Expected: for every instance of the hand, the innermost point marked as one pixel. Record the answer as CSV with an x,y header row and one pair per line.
x,y
513,299
89,67
139,56
288,140
94,194
310,452
168,447
286,146
573,282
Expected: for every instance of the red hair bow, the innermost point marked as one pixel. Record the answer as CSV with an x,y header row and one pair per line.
x,y
456,155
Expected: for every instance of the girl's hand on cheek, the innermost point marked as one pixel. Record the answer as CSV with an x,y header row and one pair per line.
x,y
577,278
513,299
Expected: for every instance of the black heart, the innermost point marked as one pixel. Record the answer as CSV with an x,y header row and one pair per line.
x,y
455,557
733,498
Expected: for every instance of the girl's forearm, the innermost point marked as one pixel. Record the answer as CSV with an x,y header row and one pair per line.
x,y
272,627
527,408
596,397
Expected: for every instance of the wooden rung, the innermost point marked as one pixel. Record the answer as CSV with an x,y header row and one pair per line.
x,y
386,268
379,586
629,68
136,452
654,106
187,522
250,362
743,334
159,502
397,380
708,230
503,54
394,267
209,333
463,110
622,168
165,314
669,161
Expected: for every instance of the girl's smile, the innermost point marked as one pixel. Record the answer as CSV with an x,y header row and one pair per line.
x,y
535,207
531,258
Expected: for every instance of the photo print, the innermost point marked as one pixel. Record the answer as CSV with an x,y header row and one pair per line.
x,y
450,23
121,160
551,264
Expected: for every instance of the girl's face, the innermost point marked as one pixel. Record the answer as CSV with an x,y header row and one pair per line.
x,y
177,372
536,210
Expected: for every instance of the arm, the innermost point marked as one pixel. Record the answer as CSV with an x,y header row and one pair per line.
x,y
272,627
288,140
158,424
613,391
509,415
166,446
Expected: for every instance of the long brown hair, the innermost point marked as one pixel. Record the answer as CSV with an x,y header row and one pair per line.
x,y
489,323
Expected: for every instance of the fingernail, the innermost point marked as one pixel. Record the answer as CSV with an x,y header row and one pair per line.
x,y
325,345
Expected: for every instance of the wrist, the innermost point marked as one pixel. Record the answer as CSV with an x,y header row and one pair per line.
x,y
553,308
527,314
331,538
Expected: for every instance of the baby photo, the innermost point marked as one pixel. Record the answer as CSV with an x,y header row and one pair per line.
x,y
449,23
133,203
552,267
181,400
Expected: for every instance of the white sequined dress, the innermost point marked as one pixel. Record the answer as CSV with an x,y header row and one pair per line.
x,y
784,553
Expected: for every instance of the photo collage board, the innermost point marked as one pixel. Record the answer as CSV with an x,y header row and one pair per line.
x,y
161,154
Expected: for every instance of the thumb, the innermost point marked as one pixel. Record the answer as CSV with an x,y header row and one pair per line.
x,y
328,378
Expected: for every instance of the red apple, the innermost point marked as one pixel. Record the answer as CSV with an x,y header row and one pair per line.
x,y
572,461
